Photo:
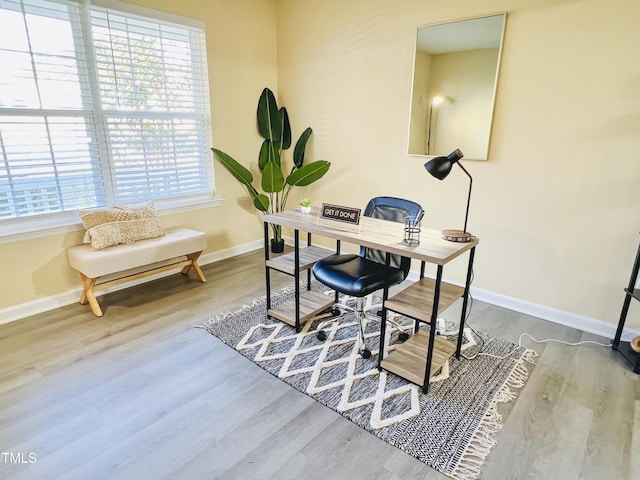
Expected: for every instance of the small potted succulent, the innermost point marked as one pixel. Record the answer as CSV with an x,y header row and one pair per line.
x,y
305,205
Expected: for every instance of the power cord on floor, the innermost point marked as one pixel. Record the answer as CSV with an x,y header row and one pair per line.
x,y
546,340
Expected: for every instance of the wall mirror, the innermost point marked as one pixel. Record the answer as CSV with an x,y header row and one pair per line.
x,y
454,83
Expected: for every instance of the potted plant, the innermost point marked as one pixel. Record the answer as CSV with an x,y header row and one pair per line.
x,y
305,205
274,127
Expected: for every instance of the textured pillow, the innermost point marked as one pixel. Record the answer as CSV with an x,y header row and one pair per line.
x,y
128,231
116,213
118,224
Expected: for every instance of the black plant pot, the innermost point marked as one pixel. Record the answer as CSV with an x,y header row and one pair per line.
x,y
277,246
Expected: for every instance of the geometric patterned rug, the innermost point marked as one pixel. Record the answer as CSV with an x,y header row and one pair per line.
x,y
451,429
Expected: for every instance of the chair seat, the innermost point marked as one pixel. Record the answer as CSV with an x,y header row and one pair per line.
x,y
355,275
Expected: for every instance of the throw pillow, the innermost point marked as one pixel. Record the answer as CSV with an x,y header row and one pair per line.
x,y
128,231
116,213
117,224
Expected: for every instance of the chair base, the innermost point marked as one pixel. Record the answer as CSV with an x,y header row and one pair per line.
x,y
361,312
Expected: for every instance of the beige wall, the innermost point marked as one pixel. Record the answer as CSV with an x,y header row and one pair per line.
x,y
241,45
556,206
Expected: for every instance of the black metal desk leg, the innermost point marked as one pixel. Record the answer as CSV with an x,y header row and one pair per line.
x,y
383,330
383,319
296,275
465,301
308,270
267,273
336,295
432,330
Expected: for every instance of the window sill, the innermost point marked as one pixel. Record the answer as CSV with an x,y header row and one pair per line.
x,y
15,231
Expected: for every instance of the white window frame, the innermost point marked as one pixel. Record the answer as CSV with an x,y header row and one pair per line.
x,y
15,229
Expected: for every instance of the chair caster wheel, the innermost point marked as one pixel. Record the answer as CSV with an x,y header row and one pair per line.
x,y
321,335
365,353
403,337
336,312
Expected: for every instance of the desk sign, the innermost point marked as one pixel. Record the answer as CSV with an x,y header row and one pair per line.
x,y
340,213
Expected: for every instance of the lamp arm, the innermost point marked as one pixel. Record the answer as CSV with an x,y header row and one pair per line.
x,y
466,216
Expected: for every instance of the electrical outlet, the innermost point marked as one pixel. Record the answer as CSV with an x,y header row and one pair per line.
x,y
440,326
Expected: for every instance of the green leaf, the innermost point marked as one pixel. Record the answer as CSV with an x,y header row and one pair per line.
x,y
240,173
272,178
263,156
268,153
269,123
275,154
286,129
307,174
261,202
301,145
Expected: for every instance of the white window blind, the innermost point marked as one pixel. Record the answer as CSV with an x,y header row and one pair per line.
x,y
98,106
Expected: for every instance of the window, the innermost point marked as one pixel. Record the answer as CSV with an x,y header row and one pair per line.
x,y
98,106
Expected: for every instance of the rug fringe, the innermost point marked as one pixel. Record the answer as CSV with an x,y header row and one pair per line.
x,y
484,438
224,315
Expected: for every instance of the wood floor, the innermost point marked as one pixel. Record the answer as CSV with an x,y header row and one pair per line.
x,y
141,394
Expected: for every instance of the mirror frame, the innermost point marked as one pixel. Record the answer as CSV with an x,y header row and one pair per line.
x,y
493,96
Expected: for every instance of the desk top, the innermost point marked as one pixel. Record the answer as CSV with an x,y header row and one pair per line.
x,y
376,233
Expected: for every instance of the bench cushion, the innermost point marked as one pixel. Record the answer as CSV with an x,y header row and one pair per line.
x,y
118,258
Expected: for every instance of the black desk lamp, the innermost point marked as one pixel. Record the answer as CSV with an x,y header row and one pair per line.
x,y
440,167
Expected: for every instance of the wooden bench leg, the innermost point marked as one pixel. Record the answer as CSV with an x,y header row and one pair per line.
x,y
193,257
88,295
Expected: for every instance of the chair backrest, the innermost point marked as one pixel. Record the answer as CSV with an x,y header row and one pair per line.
x,y
395,210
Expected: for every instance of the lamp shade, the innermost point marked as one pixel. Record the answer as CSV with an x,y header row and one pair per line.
x,y
440,167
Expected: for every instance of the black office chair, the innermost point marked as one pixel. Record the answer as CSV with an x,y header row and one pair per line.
x,y
361,275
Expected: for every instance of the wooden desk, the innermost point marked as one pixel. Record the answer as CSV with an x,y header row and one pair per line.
x,y
416,359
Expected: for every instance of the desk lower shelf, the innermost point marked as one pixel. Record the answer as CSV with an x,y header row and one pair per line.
x,y
308,256
416,300
311,304
408,359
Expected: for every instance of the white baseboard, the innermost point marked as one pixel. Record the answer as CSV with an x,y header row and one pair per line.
x,y
561,317
17,312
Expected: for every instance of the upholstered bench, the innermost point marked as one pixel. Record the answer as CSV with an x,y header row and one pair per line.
x,y
174,246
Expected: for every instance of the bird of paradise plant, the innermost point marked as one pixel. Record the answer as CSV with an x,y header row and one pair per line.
x,y
274,127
